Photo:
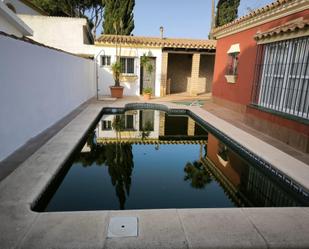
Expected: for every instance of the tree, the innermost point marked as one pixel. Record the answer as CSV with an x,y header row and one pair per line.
x,y
116,156
227,11
118,17
197,175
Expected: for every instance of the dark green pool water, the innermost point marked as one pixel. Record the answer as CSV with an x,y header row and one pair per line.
x,y
149,160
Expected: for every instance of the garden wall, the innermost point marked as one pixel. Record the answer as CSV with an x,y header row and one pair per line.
x,y
38,87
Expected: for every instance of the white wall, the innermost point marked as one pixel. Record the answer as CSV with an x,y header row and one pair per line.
x,y
65,33
11,24
38,86
22,8
131,88
8,28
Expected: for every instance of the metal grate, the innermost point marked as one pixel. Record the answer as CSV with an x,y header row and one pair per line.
x,y
281,80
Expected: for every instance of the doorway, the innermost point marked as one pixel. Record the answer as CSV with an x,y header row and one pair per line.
x,y
148,79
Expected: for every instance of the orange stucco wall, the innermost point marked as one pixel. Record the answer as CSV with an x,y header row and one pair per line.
x,y
235,168
241,91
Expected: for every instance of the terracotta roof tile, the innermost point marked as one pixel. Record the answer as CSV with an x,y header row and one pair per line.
x,y
292,26
254,13
157,42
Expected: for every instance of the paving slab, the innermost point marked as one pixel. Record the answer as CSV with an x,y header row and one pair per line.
x,y
67,230
156,229
14,223
14,191
281,227
219,228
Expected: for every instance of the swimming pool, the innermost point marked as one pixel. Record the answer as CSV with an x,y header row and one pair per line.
x,y
151,159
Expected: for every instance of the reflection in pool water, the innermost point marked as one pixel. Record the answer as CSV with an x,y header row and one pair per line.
x,y
147,159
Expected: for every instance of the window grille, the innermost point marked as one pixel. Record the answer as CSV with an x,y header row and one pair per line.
x,y
105,60
127,65
281,81
106,125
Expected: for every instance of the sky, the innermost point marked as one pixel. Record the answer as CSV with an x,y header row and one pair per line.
x,y
180,18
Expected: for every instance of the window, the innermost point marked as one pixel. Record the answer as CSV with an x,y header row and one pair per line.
x,y
231,68
232,64
105,60
282,77
129,124
106,125
127,65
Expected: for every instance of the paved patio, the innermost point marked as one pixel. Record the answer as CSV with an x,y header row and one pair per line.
x,y
174,228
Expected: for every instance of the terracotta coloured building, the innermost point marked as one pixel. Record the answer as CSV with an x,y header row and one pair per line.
x,y
262,70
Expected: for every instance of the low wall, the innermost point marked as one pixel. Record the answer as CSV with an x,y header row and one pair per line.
x,y
38,86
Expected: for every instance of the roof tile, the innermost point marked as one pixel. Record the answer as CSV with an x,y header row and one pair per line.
x,y
157,42
291,26
254,13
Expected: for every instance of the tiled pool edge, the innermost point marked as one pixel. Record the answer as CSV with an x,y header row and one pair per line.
x,y
69,229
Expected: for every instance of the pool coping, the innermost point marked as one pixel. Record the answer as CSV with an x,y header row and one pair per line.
x,y
169,228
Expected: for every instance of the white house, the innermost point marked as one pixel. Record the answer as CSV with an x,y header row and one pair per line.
x,y
66,33
105,55
179,65
135,122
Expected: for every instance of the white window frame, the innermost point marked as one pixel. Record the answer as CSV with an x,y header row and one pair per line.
x,y
105,59
126,65
109,125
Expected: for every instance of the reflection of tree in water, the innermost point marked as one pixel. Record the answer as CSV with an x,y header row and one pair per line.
x,y
197,175
119,160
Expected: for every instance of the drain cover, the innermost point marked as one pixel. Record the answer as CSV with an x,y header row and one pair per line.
x,y
122,227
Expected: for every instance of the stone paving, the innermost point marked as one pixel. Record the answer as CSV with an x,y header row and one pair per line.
x,y
173,228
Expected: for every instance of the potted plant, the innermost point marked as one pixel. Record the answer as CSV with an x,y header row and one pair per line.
x,y
147,91
146,64
116,90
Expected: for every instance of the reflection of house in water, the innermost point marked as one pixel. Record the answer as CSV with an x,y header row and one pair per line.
x,y
245,183
134,122
159,126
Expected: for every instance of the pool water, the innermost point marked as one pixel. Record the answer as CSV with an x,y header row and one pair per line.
x,y
147,159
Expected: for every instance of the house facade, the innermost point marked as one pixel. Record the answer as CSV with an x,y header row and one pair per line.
x,y
179,65
151,126
262,70
66,33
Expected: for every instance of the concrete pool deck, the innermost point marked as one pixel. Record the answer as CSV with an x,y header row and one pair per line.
x,y
172,228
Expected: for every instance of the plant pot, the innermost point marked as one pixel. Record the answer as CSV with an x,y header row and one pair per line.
x,y
147,96
116,91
